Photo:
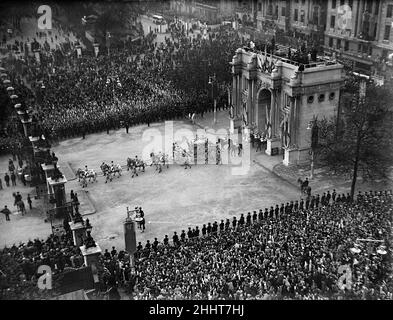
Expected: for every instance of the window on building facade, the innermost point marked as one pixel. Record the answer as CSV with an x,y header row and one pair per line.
x,y
338,45
332,95
333,4
283,11
315,15
332,21
302,16
330,42
389,11
295,15
310,99
303,1
366,27
321,98
386,35
259,6
346,45
276,12
376,7
342,2
350,3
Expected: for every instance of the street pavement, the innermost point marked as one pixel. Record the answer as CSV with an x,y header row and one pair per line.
x,y
172,200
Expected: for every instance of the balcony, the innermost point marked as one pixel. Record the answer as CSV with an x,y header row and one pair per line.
x,y
243,9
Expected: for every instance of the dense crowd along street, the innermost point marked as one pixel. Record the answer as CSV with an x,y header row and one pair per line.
x,y
288,253
321,245
126,88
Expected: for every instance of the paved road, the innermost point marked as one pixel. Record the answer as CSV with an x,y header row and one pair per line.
x,y
173,199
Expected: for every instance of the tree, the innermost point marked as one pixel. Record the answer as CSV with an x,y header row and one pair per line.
x,y
363,141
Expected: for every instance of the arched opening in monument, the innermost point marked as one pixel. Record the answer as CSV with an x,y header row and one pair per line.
x,y
263,111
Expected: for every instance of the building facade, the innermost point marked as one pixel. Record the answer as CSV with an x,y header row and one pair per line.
x,y
360,31
304,16
207,10
279,97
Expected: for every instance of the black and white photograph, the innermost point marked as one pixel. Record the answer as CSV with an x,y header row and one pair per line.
x,y
204,151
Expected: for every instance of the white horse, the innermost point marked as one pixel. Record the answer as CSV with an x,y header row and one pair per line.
x,y
89,174
159,160
116,169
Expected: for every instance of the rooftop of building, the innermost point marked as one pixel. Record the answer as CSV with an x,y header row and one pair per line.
x,y
318,62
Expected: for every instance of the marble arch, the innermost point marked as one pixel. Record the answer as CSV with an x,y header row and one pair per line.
x,y
280,97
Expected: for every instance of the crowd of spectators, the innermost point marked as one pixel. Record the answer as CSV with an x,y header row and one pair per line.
x,y
289,253
19,265
142,83
295,253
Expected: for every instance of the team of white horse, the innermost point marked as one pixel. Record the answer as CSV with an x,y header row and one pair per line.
x,y
159,160
110,171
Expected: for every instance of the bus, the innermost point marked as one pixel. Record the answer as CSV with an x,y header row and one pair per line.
x,y
158,19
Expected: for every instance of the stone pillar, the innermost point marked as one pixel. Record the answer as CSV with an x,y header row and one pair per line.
x,y
249,101
237,90
91,255
130,237
296,122
48,169
291,156
273,143
78,232
26,126
273,146
58,188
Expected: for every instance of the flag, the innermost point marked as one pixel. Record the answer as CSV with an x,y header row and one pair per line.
x,y
259,62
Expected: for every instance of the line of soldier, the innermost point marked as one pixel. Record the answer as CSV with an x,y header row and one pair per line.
x,y
274,213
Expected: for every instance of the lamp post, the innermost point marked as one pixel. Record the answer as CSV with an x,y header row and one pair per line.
x,y
212,80
108,42
313,126
113,81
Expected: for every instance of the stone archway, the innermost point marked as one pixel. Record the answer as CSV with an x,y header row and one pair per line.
x,y
264,111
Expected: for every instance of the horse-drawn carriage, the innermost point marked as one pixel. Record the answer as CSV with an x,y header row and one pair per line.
x,y
159,160
134,164
110,171
87,175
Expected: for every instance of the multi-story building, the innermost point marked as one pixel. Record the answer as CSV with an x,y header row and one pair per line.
x,y
360,32
206,10
280,97
305,16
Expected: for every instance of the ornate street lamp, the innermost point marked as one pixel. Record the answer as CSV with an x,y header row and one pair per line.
x,y
313,126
